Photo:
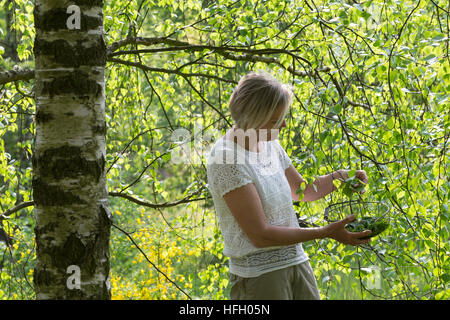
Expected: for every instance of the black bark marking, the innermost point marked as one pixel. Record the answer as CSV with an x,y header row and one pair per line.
x,y
49,227
42,117
91,3
72,56
100,129
47,195
103,236
76,82
56,19
102,245
68,162
42,278
74,252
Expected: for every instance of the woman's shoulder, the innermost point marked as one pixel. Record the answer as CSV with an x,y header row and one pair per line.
x,y
222,149
221,143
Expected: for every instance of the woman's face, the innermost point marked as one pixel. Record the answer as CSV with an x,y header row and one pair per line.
x,y
269,128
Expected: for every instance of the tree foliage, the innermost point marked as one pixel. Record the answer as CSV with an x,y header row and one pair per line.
x,y
371,84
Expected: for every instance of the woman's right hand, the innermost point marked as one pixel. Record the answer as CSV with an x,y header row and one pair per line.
x,y
336,230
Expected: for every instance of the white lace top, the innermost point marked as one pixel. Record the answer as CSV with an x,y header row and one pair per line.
x,y
231,166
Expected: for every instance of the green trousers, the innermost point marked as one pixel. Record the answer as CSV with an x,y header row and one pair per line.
x,y
292,283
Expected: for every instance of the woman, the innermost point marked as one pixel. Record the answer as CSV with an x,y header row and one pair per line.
x,y
253,183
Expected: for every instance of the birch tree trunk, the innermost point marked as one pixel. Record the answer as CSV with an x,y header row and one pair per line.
x,y
69,179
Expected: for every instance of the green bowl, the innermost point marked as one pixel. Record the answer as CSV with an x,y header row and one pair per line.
x,y
370,215
376,225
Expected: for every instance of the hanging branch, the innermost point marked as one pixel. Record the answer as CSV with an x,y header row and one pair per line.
x,y
248,55
159,205
397,37
144,203
357,149
20,206
128,145
14,75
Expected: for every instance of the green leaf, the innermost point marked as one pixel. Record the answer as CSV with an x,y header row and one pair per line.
x,y
430,57
351,173
336,109
347,190
390,123
166,157
301,188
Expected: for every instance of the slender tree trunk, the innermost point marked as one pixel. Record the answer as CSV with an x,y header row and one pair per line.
x,y
69,177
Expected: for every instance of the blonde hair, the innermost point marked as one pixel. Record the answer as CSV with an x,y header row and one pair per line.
x,y
255,99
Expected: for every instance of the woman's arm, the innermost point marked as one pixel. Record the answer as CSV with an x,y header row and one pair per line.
x,y
246,207
324,184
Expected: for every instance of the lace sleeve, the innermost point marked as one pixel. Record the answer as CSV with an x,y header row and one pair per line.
x,y
226,177
284,158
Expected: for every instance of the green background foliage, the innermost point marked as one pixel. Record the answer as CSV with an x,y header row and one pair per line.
x,y
371,85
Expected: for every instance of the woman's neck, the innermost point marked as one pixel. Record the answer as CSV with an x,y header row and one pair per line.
x,y
246,144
